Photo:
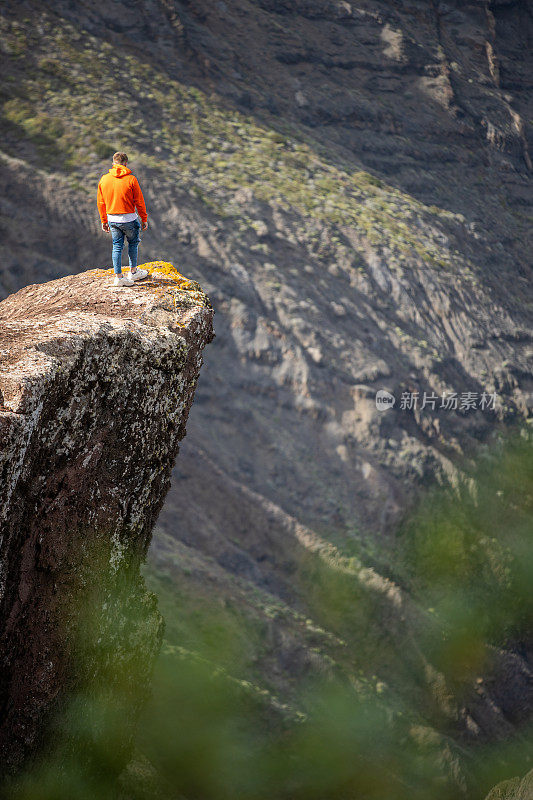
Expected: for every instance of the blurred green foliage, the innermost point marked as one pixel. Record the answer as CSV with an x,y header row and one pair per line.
x,y
207,733
468,556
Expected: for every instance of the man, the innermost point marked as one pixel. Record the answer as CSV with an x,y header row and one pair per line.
x,y
119,194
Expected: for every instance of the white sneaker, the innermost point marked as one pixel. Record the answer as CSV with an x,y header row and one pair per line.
x,y
123,280
138,275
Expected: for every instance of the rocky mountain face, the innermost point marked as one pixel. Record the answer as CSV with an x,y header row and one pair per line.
x,y
351,183
95,389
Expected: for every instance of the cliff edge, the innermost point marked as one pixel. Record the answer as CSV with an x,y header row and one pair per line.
x,y
95,388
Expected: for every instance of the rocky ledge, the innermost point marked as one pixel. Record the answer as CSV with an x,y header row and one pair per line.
x,y
95,388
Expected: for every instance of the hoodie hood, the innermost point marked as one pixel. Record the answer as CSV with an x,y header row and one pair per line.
x,y
119,170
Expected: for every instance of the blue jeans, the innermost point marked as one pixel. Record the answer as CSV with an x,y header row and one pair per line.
x,y
130,230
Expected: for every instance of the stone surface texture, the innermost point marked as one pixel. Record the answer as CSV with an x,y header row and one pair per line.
x,y
513,789
95,387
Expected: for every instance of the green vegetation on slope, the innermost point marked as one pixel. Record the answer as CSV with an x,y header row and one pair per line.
x,y
77,98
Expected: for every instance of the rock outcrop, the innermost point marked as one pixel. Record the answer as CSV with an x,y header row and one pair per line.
x,y
350,182
95,387
513,789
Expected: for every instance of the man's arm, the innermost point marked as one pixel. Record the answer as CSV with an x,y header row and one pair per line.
x,y
100,202
139,202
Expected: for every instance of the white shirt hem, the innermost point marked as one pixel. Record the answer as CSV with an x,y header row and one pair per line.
x,y
121,217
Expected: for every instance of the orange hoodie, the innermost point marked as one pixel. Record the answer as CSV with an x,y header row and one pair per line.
x,y
119,193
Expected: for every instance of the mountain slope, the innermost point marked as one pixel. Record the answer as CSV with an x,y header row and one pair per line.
x,y
351,184
349,283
